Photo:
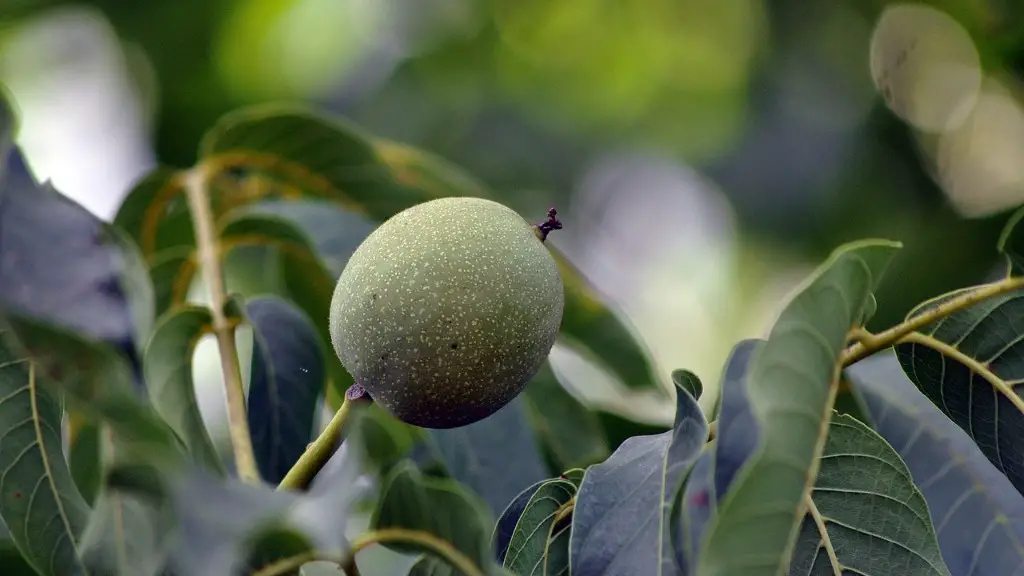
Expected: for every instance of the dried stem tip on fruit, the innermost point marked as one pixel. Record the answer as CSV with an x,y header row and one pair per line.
x,y
552,223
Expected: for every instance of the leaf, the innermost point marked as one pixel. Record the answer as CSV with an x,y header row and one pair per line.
x,y
12,561
287,378
168,369
876,519
692,508
1011,244
688,381
61,264
220,521
38,497
495,457
789,391
84,458
968,365
273,544
155,212
738,431
528,549
567,428
412,501
977,513
505,527
97,381
619,521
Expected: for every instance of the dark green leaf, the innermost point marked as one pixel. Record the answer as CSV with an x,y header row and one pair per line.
x,y
436,506
619,523
287,379
688,381
1011,244
387,439
13,563
168,368
528,548
978,514
568,429
38,497
557,559
84,457
496,457
155,213
97,381
506,524
876,519
968,364
737,429
172,272
575,475
274,544
789,392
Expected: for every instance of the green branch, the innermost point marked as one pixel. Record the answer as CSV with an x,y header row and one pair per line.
x,y
208,252
319,452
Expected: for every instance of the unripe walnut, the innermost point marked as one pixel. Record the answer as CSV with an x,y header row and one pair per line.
x,y
447,310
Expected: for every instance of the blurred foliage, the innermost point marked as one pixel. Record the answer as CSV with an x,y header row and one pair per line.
x,y
771,100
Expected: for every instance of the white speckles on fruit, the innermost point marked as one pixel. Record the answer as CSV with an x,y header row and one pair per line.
x,y
446,311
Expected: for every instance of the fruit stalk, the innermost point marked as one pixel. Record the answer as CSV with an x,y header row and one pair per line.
x,y
320,451
209,261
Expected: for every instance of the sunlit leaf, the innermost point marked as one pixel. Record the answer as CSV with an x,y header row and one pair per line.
x,y
620,520
789,392
978,514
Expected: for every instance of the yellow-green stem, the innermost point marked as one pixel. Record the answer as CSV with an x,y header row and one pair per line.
x,y
317,453
463,564
869,344
208,254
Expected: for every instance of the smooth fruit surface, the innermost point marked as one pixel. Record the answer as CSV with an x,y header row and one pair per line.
x,y
445,311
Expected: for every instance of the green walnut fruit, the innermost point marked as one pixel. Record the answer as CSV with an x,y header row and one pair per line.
x,y
447,310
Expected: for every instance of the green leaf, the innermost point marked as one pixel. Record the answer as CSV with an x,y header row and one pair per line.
x,y
1011,244
968,364
978,514
304,277
789,387
84,457
505,527
273,544
496,457
620,520
168,368
38,497
287,378
97,381
13,562
434,506
527,553
155,212
876,520
570,431
688,381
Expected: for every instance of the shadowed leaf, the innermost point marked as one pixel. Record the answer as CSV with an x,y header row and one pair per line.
x,y
506,524
287,378
84,456
968,364
567,428
496,457
38,497
978,515
619,523
168,367
61,264
527,552
409,500
788,387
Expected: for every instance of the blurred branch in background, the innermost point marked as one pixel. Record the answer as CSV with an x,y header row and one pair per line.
x,y
703,154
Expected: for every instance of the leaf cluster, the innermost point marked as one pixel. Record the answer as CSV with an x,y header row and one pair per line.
x,y
830,450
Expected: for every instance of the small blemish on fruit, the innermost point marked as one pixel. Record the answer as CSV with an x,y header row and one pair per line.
x,y
455,345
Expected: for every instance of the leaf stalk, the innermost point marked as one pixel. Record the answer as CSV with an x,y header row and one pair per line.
x,y
208,250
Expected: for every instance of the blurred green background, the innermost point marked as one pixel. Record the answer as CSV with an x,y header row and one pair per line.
x,y
705,155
